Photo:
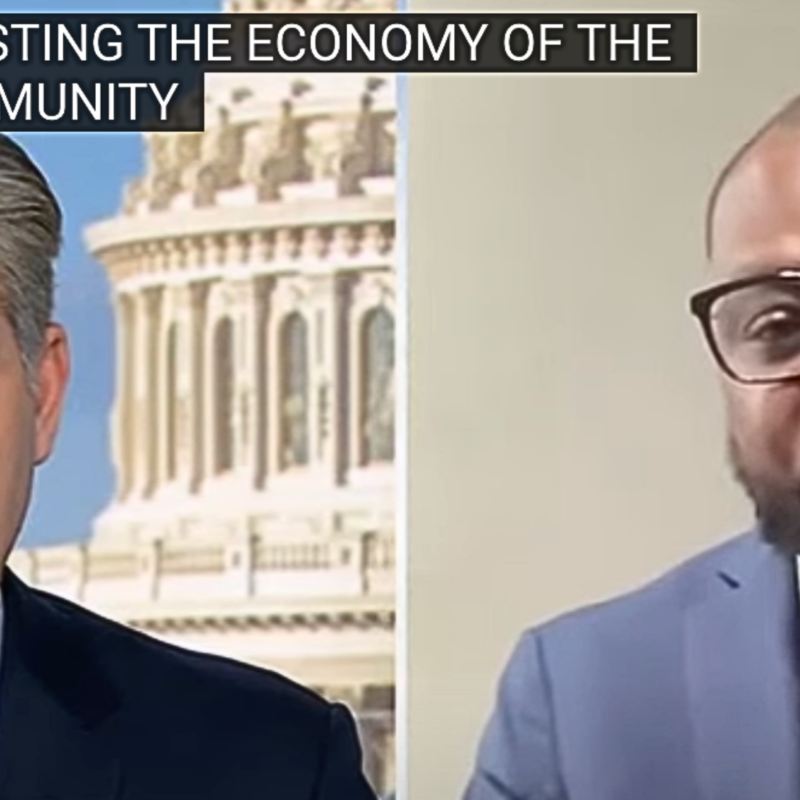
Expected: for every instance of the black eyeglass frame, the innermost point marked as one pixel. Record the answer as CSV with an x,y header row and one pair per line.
x,y
701,303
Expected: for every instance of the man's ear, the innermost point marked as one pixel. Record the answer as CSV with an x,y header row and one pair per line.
x,y
52,376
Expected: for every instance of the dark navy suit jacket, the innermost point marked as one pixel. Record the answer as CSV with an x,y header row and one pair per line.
x,y
684,690
90,710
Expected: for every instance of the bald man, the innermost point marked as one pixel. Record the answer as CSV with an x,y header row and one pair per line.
x,y
688,688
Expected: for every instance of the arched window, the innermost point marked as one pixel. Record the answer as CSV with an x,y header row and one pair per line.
x,y
377,387
223,395
171,402
294,392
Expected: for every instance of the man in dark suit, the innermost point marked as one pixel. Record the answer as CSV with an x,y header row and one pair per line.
x,y
90,710
688,688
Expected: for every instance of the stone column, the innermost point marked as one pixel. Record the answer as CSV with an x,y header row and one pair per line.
x,y
154,359
323,374
195,408
165,379
238,303
122,414
273,363
183,386
355,373
249,350
139,399
145,413
260,367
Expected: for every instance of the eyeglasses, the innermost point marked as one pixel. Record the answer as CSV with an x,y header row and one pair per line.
x,y
752,326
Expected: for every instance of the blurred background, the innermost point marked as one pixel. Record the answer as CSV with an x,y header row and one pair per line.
x,y
566,441
225,474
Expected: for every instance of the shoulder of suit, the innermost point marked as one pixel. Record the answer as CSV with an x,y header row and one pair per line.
x,y
140,665
659,598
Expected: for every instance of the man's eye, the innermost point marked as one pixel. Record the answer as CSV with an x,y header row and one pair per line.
x,y
774,325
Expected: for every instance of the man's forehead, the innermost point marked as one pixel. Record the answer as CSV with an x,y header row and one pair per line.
x,y
755,224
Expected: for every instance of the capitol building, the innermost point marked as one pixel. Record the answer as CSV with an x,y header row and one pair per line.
x,y
252,269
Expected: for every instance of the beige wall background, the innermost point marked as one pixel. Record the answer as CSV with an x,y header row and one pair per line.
x,y
565,436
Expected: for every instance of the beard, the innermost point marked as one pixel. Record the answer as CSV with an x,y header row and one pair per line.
x,y
776,502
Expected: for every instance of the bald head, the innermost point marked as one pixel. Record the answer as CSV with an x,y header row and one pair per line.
x,y
753,231
751,178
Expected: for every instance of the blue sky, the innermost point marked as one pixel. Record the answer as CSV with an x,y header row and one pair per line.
x,y
87,172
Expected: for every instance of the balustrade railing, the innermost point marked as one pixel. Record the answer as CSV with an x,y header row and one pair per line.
x,y
153,570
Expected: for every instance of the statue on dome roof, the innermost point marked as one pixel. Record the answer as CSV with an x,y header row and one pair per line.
x,y
370,152
220,159
285,161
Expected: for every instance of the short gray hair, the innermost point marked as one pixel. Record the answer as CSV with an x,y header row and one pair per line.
x,y
30,241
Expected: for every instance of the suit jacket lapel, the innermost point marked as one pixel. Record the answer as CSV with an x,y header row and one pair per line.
x,y
55,705
741,651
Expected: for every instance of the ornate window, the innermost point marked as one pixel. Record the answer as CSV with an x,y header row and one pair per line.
x,y
223,395
294,392
377,387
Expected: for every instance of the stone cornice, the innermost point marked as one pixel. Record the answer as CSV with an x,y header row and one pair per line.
x,y
120,231
266,238
214,623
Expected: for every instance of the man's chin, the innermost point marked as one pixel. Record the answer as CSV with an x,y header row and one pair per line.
x,y
779,522
776,503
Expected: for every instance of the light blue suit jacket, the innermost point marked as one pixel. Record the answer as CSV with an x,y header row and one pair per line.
x,y
684,690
